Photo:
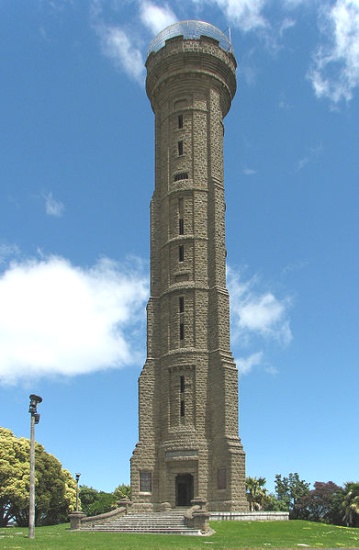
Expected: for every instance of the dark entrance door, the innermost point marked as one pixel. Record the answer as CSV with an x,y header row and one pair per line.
x,y
184,489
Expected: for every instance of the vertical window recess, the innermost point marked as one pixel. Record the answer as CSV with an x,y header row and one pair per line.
x,y
222,478
181,253
180,121
181,331
182,408
180,226
145,482
181,304
180,148
181,384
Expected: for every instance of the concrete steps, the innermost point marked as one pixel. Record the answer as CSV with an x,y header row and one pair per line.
x,y
160,523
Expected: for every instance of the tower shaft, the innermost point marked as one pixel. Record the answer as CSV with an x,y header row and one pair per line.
x,y
188,389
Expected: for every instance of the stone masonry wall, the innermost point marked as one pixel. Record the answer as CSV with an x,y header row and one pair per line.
x,y
188,389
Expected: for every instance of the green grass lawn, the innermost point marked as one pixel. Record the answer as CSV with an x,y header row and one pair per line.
x,y
229,534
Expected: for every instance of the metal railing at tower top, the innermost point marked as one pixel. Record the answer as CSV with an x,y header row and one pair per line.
x,y
190,30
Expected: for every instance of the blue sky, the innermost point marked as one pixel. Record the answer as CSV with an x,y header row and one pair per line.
x,y
77,175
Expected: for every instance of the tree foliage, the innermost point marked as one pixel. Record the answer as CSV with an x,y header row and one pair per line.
x,y
289,490
322,503
54,487
327,502
122,491
256,492
94,502
350,504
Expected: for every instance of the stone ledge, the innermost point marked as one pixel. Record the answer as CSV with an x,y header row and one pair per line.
x,y
249,516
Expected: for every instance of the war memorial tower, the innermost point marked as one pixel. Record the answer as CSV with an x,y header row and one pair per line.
x,y
188,389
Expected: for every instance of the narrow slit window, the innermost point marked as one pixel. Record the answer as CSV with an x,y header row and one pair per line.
x,y
180,121
181,331
181,253
182,408
181,304
180,148
181,176
181,384
181,226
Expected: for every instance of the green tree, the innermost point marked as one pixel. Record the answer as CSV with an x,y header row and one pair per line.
x,y
272,504
122,491
14,475
289,490
321,503
94,502
55,488
350,504
255,492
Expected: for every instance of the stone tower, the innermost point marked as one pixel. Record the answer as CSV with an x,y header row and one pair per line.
x,y
188,389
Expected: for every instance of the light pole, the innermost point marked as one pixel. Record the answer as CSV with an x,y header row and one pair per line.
x,y
34,419
77,477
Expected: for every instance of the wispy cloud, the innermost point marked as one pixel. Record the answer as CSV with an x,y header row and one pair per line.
x,y
127,48
245,14
286,24
60,319
295,3
247,364
335,70
256,315
53,206
294,267
256,312
283,103
312,155
8,251
119,46
155,17
249,171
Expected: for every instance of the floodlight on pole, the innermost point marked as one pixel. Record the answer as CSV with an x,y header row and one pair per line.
x,y
34,419
77,477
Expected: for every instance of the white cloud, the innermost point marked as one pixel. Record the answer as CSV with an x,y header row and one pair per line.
x,y
249,171
312,155
8,251
286,24
257,313
335,70
284,103
122,50
246,365
59,319
244,14
53,207
295,3
156,18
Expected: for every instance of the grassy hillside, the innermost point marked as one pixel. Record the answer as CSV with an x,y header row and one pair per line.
x,y
231,535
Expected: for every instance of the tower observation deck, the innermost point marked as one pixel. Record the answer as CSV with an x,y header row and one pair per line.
x,y
188,444
190,30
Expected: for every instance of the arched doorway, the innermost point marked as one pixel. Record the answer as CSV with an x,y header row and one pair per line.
x,y
184,489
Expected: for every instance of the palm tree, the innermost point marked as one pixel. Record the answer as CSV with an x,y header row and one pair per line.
x,y
350,504
255,492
